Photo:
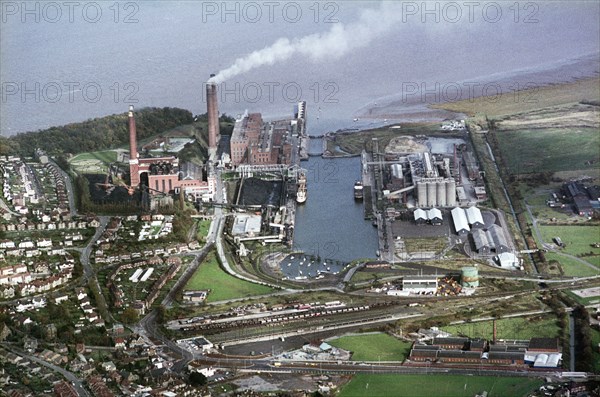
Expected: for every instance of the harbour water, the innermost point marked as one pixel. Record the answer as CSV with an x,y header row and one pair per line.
x,y
331,224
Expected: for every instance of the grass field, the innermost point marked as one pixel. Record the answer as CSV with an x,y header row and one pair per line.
x,y
223,286
509,103
550,149
508,328
373,347
437,385
93,162
572,267
577,239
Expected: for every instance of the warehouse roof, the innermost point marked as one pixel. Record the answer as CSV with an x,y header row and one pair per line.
x,y
460,220
497,235
474,215
480,237
420,214
434,213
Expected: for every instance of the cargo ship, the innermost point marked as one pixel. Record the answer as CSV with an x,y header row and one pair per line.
x,y
358,190
301,193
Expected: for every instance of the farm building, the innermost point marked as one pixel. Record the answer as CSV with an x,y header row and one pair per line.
x,y
461,225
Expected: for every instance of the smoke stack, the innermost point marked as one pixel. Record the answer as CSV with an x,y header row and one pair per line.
x,y
494,336
133,154
213,116
132,135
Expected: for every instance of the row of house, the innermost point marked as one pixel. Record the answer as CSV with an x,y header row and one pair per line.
x,y
27,225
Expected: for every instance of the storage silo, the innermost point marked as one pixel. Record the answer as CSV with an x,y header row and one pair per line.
x,y
469,277
450,193
441,194
431,194
422,194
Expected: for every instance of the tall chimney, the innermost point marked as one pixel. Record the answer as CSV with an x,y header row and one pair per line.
x,y
133,154
213,116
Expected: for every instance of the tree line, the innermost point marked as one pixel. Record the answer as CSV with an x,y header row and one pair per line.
x,y
95,134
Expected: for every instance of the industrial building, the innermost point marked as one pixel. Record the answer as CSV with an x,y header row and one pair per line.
x,y
459,218
474,217
480,351
492,239
466,219
246,225
433,216
423,285
256,142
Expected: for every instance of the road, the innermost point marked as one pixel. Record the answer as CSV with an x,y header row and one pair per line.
x,y
71,377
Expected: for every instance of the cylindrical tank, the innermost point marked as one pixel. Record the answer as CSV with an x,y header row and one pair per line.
x,y
441,194
451,193
469,277
422,194
431,194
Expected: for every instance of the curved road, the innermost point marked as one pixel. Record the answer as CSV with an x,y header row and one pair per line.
x,y
71,377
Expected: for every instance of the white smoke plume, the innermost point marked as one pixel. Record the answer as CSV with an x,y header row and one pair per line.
x,y
333,44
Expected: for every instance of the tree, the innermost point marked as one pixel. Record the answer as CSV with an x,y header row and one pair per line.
x,y
129,316
197,379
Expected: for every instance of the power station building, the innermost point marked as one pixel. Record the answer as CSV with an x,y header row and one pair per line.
x,y
164,174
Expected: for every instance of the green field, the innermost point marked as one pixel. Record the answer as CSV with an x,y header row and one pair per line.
x,y
210,276
549,149
508,328
93,162
572,267
373,347
577,239
437,385
203,227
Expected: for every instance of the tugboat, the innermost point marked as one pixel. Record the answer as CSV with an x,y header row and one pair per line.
x,y
358,190
301,193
